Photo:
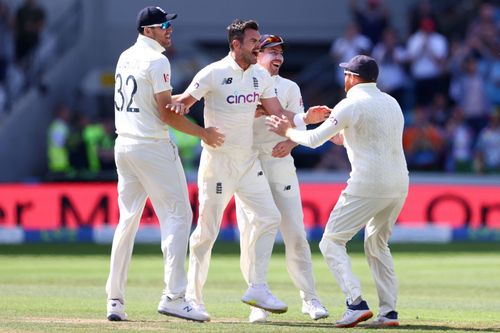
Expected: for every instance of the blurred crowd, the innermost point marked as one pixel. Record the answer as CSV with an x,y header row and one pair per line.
x,y
26,48
444,69
445,73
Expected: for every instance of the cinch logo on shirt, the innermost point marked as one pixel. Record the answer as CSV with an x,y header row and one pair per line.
x,y
241,99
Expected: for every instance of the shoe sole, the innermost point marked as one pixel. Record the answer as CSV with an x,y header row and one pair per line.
x,y
320,317
114,317
171,314
364,317
254,304
381,325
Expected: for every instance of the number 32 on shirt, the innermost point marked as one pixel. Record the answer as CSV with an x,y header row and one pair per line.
x,y
125,88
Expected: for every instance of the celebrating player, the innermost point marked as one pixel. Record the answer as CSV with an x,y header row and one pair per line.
x,y
372,126
279,169
148,164
232,88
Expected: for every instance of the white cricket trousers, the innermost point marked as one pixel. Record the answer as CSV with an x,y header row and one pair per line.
x,y
220,175
350,214
150,169
282,178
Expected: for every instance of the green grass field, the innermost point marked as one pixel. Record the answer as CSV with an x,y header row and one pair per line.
x,y
60,288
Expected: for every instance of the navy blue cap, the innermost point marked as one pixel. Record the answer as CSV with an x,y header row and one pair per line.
x,y
366,67
153,15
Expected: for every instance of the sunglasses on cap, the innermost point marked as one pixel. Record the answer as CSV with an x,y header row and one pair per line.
x,y
162,26
271,39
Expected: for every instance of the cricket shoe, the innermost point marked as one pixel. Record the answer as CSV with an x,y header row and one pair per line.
x,y
387,320
260,296
116,310
354,315
257,315
314,309
181,308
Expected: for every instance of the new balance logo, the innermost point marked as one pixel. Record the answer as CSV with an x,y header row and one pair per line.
x,y
287,188
227,80
218,188
187,308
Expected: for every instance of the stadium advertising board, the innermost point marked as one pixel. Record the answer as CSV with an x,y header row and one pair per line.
x,y
93,205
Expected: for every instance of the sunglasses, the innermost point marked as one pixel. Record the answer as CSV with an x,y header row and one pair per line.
x,y
162,26
346,72
271,39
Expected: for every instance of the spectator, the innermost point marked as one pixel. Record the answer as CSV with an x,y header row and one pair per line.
x,y
57,140
487,152
423,143
427,51
419,11
439,110
372,19
483,33
351,43
468,92
459,144
391,58
30,20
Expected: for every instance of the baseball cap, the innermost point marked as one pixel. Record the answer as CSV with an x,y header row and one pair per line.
x,y
268,40
364,66
153,15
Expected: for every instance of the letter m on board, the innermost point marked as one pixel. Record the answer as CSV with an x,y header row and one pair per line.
x,y
69,209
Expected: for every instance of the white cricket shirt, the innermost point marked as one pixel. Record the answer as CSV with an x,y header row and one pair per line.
x,y
373,129
289,95
231,97
142,71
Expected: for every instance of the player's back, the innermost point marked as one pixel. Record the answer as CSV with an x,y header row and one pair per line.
x,y
136,113
374,144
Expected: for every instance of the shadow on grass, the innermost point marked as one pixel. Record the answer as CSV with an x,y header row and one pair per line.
x,y
402,327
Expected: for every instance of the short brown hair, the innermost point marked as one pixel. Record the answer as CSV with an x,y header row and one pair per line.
x,y
237,28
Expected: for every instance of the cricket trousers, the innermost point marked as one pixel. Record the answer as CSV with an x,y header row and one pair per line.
x,y
350,214
282,178
150,168
220,176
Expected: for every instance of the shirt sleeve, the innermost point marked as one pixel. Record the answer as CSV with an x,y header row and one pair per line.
x,y
269,90
201,83
294,102
159,72
340,118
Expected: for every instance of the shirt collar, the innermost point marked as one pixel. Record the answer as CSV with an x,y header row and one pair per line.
x,y
150,42
360,87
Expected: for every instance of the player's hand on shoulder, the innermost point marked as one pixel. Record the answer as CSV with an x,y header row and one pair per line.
x,y
177,108
278,125
317,114
283,148
213,137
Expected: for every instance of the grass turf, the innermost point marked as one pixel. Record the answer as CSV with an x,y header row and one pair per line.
x,y
60,288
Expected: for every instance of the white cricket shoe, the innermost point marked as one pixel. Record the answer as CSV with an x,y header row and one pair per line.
x,y
354,315
257,315
116,310
260,296
181,308
387,320
314,309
